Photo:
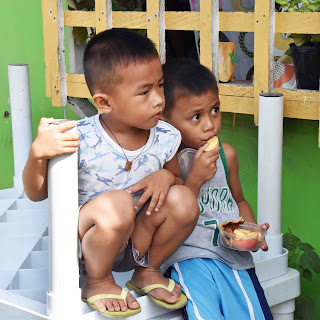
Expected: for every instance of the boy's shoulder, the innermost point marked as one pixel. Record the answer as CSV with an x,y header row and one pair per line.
x,y
230,154
163,127
87,121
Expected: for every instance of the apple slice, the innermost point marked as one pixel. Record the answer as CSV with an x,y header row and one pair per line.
x,y
214,142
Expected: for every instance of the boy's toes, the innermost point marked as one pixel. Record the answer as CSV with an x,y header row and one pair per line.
x,y
109,305
131,302
116,305
100,305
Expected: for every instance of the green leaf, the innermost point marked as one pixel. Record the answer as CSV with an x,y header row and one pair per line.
x,y
290,241
307,274
315,37
299,39
80,34
310,259
306,247
313,7
282,2
305,308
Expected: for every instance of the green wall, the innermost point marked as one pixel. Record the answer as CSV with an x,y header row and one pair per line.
x,y
22,42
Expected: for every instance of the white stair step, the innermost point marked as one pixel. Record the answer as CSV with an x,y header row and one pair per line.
x,y
33,279
39,295
36,260
28,228
42,245
14,251
21,204
22,215
5,204
6,277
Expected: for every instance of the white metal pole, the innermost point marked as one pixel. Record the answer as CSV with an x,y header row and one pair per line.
x,y
270,134
64,295
21,125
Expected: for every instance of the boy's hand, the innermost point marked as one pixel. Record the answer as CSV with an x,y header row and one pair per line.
x,y
52,141
204,165
264,245
155,185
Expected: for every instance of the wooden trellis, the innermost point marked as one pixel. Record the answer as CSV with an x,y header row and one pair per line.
x,y
236,97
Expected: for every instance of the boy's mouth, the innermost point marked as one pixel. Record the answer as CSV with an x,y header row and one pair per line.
x,y
158,115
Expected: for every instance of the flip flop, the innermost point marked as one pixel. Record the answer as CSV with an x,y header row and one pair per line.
x,y
145,291
112,314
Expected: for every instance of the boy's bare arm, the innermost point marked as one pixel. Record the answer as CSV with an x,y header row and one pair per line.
x,y
236,189
157,184
203,168
51,141
235,184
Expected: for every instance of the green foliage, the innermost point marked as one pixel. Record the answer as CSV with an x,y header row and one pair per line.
x,y
301,256
301,6
81,34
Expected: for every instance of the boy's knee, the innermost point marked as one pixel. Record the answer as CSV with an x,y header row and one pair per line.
x,y
116,210
184,203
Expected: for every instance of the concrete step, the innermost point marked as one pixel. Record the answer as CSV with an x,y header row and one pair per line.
x,y
23,204
36,260
23,215
27,228
42,244
39,295
31,279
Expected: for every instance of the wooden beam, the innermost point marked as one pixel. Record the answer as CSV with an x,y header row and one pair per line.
x,y
80,18
53,27
132,20
297,22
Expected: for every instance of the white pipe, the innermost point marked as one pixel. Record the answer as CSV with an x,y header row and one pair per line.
x,y
270,135
21,125
64,295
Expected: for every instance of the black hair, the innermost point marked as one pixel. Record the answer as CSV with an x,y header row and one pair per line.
x,y
111,49
185,77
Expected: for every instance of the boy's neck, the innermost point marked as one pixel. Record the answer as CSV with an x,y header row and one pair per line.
x,y
128,138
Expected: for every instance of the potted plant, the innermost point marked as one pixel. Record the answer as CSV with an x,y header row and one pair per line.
x,y
305,50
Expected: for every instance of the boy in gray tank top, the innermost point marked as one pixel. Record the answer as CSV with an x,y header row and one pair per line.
x,y
219,282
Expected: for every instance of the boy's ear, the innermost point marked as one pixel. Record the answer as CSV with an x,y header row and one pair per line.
x,y
102,101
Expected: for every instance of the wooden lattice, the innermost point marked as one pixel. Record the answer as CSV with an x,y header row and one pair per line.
x,y
236,97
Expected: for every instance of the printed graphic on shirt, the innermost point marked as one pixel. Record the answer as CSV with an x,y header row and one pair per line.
x,y
215,236
216,199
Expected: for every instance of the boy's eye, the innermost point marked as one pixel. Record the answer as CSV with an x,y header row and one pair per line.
x,y
160,85
215,110
196,117
143,93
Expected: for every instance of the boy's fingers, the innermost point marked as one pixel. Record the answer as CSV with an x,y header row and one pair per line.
x,y
143,199
69,136
160,201
45,122
153,203
138,186
64,126
201,150
266,226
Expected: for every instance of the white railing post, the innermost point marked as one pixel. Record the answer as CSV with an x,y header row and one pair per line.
x,y
270,135
21,125
64,295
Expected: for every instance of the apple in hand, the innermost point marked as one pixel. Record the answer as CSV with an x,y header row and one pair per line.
x,y
240,241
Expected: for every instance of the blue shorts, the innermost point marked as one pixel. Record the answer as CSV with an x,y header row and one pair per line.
x,y
215,291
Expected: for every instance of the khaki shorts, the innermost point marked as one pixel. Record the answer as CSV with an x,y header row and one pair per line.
x,y
126,260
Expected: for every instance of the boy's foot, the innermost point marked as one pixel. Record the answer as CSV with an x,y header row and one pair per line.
x,y
93,287
144,277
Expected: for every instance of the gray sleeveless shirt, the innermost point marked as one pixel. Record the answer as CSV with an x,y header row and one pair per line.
x,y
216,205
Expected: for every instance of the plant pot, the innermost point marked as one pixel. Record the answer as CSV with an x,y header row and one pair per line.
x,y
227,59
306,61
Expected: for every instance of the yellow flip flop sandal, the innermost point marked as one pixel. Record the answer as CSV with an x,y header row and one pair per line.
x,y
112,314
145,291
